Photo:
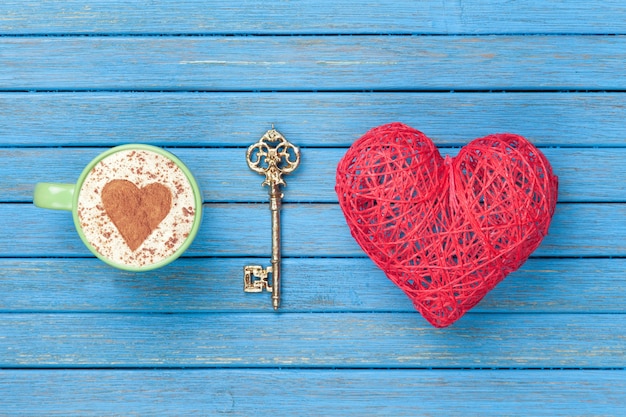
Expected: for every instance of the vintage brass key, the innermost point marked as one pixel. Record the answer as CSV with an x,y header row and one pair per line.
x,y
272,156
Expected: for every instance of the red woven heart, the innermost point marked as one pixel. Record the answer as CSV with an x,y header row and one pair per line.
x,y
446,231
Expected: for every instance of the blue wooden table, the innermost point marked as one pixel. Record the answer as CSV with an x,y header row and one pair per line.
x,y
205,79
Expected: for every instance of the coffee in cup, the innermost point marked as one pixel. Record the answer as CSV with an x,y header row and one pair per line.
x,y
137,207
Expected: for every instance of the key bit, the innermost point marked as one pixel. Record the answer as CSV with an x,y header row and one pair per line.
x,y
272,156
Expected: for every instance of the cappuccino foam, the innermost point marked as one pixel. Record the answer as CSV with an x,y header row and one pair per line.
x,y
142,168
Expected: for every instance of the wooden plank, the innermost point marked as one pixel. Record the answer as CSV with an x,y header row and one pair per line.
x,y
308,119
349,340
308,230
354,63
204,285
312,392
320,16
224,176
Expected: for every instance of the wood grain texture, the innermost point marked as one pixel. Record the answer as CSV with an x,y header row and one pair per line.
x,y
347,340
206,79
308,119
319,16
233,230
312,392
347,63
316,285
228,178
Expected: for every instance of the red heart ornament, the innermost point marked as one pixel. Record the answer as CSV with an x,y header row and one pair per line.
x,y
446,231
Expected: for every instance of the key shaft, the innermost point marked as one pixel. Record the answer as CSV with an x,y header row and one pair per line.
x,y
275,204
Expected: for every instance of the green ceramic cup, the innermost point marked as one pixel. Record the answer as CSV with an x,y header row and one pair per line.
x,y
136,207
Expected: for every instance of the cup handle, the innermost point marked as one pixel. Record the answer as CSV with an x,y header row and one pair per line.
x,y
53,195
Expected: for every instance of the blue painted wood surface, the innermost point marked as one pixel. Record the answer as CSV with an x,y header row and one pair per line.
x,y
205,79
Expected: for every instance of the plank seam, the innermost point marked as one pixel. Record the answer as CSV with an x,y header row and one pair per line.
x,y
440,90
297,34
53,368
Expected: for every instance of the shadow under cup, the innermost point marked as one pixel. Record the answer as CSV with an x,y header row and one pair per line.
x,y
136,207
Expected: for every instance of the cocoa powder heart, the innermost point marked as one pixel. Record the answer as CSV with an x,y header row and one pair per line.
x,y
135,211
446,231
